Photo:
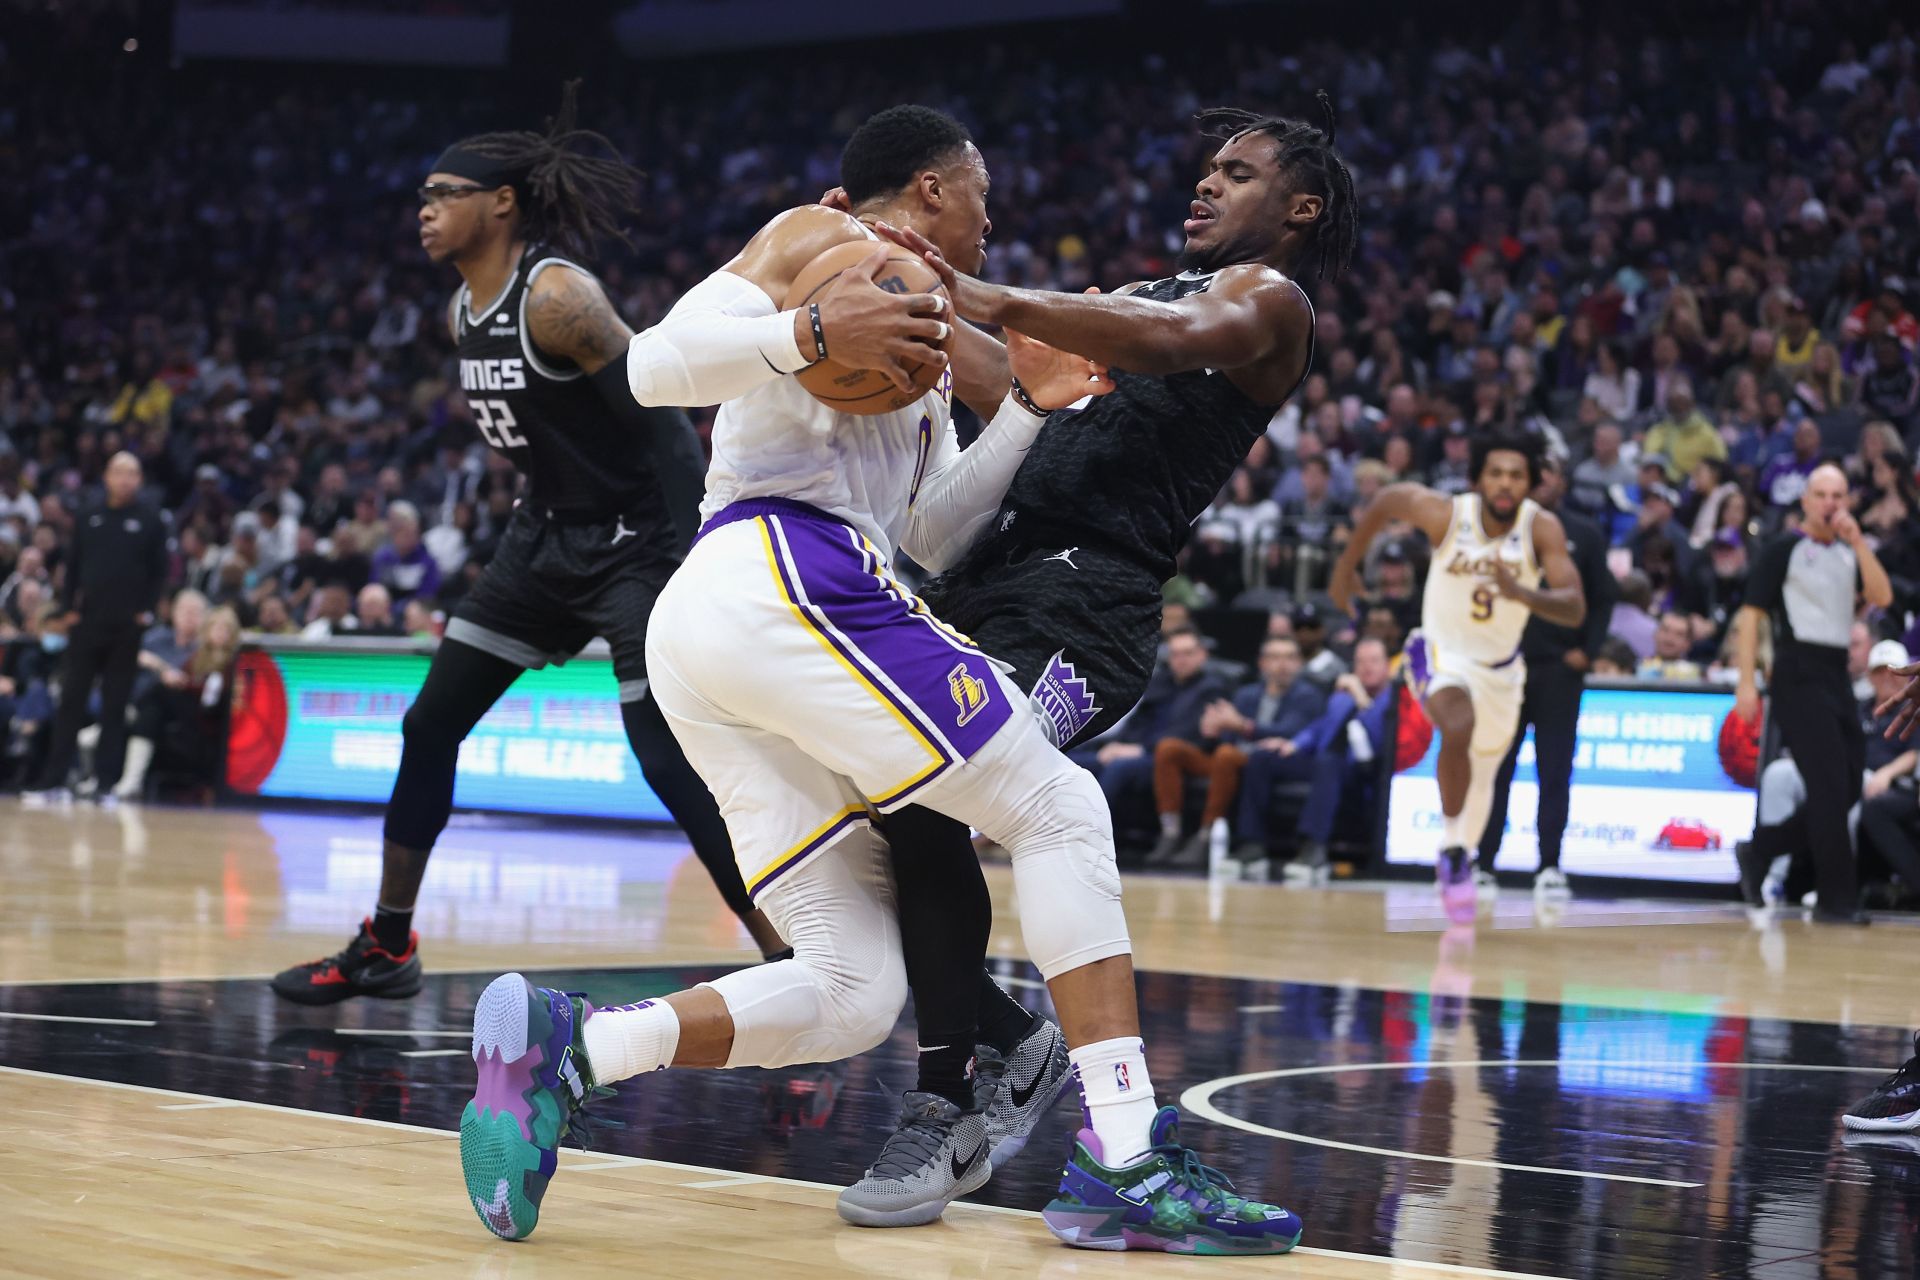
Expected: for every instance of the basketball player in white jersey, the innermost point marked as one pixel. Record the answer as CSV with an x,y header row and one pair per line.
x,y
815,694
1494,547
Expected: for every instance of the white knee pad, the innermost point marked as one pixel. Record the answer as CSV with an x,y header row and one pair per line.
x,y
842,992
1051,817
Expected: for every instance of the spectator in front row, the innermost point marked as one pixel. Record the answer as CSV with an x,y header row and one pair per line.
x,y
1177,696
174,720
28,669
416,620
1615,659
373,612
1672,639
1261,717
1334,761
274,619
330,615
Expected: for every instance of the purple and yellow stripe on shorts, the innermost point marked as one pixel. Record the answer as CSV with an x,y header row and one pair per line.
x,y
819,838
935,683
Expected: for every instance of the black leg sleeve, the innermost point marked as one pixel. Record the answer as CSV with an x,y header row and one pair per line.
x,y
945,916
462,684
686,797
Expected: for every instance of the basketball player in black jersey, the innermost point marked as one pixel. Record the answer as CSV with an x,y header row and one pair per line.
x,y
1066,584
611,501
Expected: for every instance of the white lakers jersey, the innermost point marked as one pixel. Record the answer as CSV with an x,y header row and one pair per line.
x,y
779,442
1461,614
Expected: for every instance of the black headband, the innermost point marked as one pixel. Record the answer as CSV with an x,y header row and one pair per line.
x,y
484,170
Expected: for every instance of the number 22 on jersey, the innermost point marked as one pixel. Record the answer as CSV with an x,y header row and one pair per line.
x,y
495,420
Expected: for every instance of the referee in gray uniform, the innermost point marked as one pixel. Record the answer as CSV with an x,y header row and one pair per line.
x,y
1809,584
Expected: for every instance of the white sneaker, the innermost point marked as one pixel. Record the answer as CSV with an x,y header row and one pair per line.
x,y
1551,881
1485,883
46,798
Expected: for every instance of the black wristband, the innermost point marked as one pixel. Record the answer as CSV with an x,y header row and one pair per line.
x,y
819,332
1025,401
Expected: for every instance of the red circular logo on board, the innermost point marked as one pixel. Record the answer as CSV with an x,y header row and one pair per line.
x,y
259,725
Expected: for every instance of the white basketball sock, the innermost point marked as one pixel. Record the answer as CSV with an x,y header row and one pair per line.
x,y
1453,827
1117,1096
631,1040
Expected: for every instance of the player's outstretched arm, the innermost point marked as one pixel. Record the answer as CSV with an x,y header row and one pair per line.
x,y
1412,504
568,315
1249,313
1562,600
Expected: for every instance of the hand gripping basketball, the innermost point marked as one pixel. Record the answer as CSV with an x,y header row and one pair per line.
x,y
867,327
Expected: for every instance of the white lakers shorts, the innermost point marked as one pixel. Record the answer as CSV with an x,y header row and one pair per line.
x,y
1496,690
809,689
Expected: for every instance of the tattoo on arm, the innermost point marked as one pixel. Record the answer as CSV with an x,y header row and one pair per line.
x,y
570,316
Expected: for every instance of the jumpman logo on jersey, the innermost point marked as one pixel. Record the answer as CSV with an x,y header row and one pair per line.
x,y
620,531
1067,556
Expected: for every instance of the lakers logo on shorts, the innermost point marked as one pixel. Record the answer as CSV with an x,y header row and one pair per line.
x,y
969,694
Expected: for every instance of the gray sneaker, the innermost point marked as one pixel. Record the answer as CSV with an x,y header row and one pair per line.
x,y
937,1155
1165,850
1014,1095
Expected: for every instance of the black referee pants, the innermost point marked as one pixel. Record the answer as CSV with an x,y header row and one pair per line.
x,y
1551,705
110,653
1820,727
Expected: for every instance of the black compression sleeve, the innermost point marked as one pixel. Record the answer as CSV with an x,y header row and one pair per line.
x,y
672,444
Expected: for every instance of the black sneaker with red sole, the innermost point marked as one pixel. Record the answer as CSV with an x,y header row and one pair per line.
x,y
365,968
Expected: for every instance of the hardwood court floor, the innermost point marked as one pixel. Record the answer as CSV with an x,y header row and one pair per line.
x,y
1646,1090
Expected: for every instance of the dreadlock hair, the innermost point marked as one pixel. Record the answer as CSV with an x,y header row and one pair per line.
x,y
572,186
1307,158
1524,443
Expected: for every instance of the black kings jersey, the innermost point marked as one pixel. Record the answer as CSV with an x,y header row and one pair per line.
x,y
1135,468
543,412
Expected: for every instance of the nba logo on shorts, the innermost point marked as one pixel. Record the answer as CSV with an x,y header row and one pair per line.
x,y
969,693
1120,1079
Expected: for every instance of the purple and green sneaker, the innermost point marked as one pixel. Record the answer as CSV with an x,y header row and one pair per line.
x,y
1167,1201
534,1079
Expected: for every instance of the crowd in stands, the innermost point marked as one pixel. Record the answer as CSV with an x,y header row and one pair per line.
x,y
1689,261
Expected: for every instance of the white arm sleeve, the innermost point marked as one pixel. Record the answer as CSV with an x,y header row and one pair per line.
x,y
719,342
963,488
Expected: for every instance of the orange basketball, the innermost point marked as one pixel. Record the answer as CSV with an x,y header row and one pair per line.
x,y
865,391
